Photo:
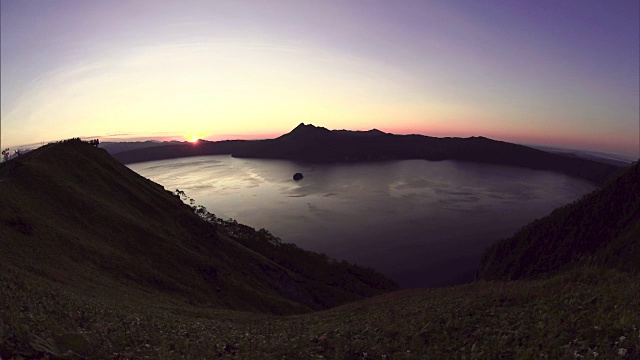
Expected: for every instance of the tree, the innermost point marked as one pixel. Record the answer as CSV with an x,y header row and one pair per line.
x,y
5,154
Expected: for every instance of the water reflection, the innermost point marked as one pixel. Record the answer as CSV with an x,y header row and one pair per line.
x,y
421,223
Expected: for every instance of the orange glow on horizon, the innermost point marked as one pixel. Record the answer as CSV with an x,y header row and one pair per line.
x,y
194,137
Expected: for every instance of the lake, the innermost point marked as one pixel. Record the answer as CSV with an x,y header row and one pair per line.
x,y
421,223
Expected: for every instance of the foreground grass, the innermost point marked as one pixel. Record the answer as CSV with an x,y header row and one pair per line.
x,y
583,313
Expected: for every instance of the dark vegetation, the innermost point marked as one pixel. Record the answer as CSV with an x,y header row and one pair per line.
x,y
601,228
310,265
309,143
73,214
98,262
585,312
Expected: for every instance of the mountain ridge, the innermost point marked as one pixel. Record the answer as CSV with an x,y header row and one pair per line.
x,y
602,228
309,143
72,212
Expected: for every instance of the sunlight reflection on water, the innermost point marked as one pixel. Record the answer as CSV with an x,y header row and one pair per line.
x,y
421,223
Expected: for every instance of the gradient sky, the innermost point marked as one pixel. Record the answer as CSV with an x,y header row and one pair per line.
x,y
560,73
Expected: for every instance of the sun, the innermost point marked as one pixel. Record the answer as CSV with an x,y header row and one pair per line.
x,y
194,137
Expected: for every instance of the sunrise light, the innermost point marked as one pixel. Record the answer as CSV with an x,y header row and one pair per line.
x,y
365,71
193,137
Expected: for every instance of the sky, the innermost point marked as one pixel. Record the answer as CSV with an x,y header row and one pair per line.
x,y
556,73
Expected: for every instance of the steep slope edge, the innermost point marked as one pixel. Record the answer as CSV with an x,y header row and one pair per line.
x,y
602,228
72,215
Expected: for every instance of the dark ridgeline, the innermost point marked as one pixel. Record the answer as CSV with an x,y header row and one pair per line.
x,y
116,147
602,228
308,143
88,222
92,142
16,153
180,150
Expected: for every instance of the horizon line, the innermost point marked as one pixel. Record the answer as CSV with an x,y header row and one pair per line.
x,y
165,138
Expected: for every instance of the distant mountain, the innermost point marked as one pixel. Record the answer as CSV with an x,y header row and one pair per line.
x,y
617,160
173,151
73,216
114,147
310,143
602,228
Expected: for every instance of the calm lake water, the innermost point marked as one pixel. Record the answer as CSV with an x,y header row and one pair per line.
x,y
419,222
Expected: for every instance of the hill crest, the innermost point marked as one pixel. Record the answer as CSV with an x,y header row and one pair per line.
x,y
77,217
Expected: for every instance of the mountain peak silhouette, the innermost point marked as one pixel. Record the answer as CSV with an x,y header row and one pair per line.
x,y
305,130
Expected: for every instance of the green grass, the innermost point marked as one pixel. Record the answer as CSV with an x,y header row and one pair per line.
x,y
579,313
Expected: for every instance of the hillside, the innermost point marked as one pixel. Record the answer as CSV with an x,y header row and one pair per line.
x,y
592,313
74,216
602,228
98,262
308,143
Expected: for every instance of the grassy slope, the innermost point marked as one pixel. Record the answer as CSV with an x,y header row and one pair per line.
x,y
75,216
602,228
49,312
580,312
